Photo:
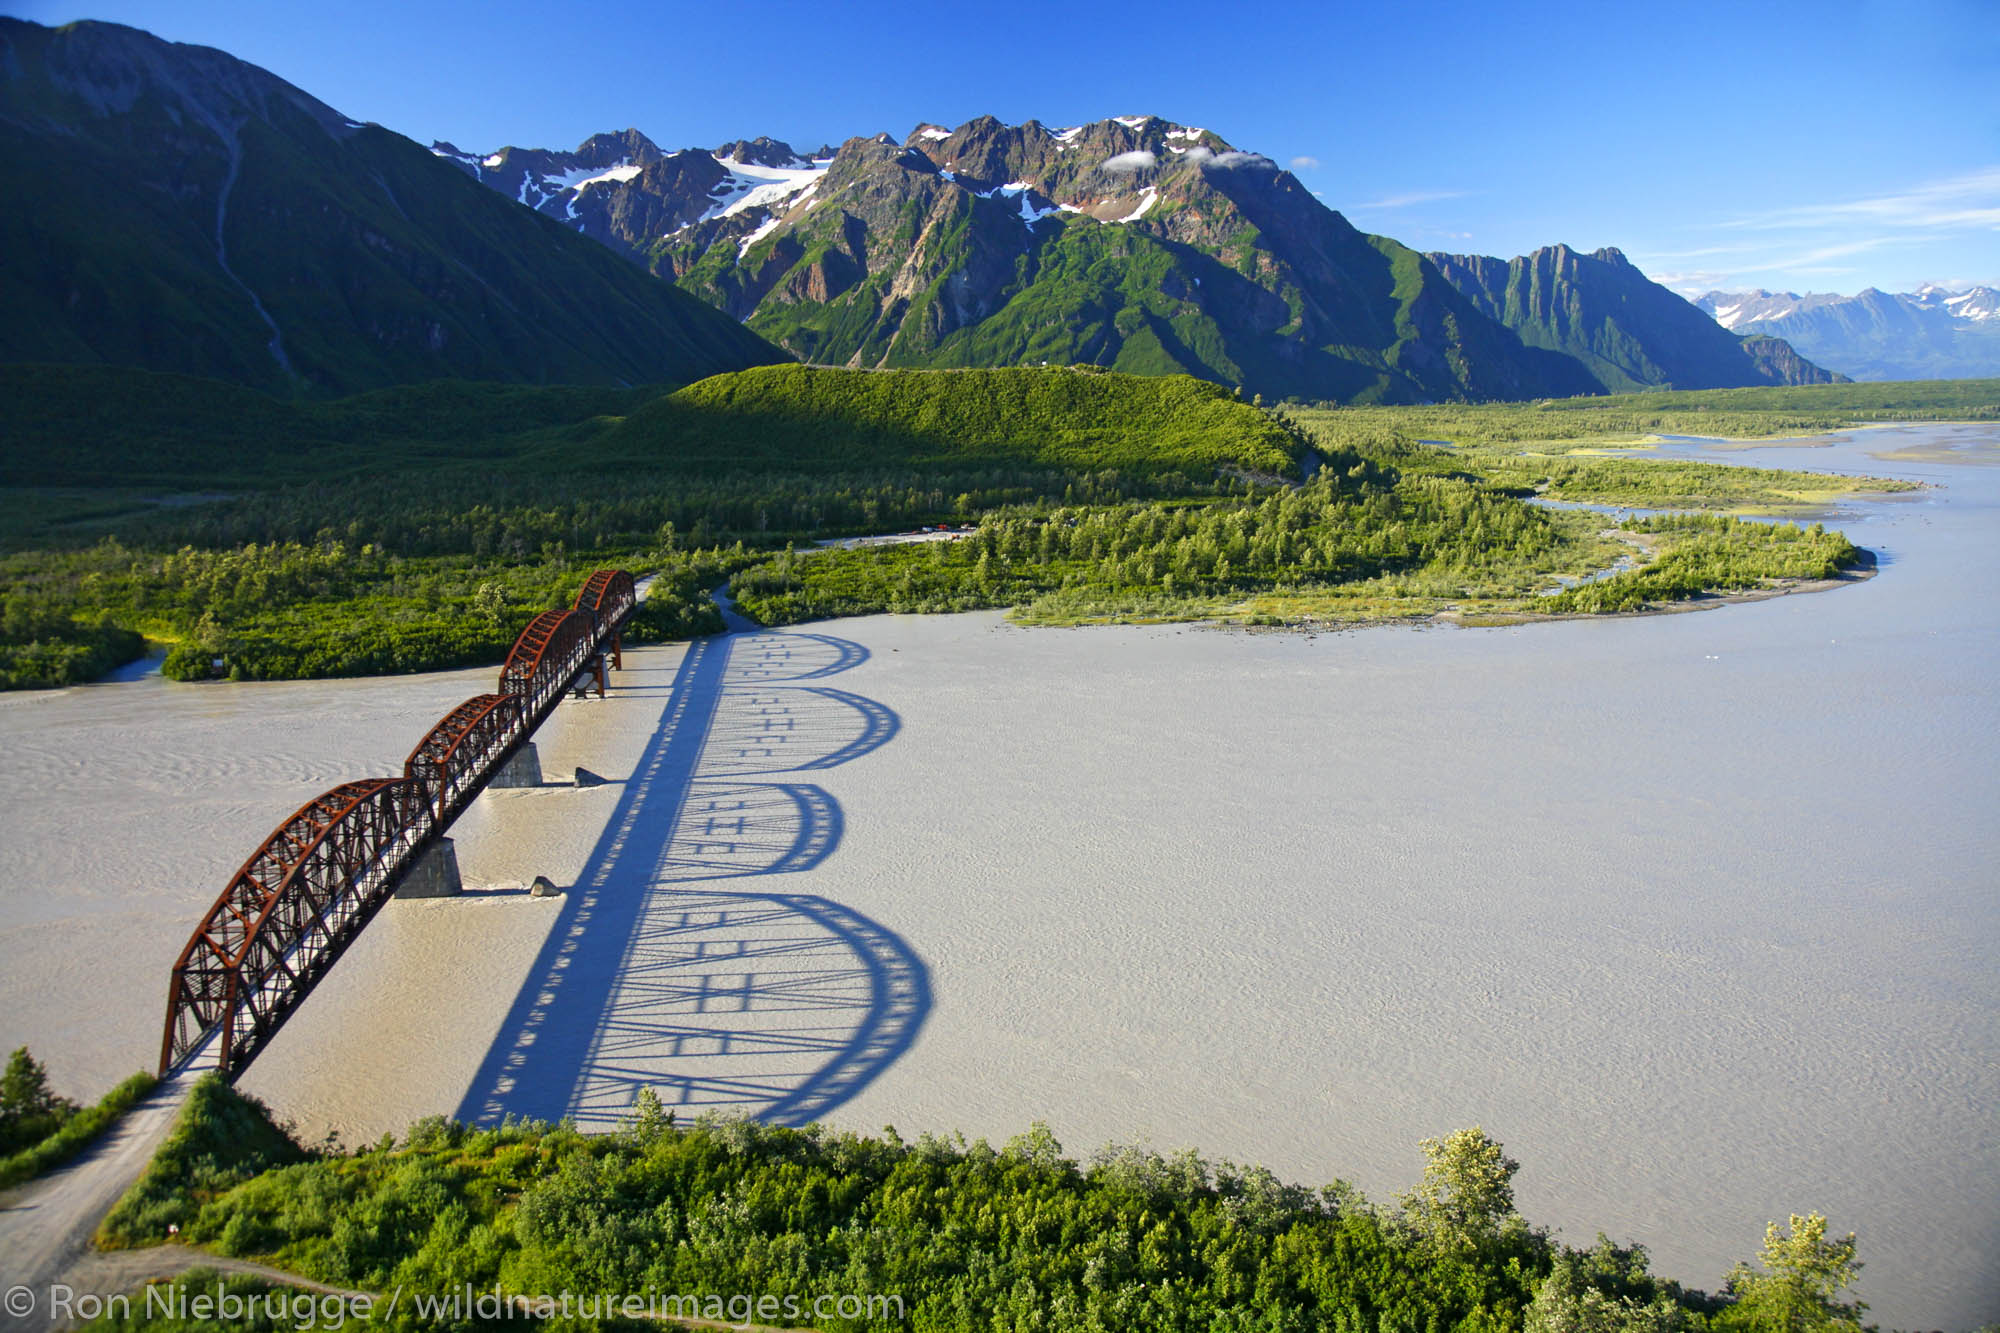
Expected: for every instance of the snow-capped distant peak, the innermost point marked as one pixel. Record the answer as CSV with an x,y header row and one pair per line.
x,y
1968,303
1980,303
1134,122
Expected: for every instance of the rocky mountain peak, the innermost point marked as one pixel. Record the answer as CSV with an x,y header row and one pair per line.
x,y
763,151
995,242
627,147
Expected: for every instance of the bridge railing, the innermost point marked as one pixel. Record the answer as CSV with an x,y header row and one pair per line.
x,y
285,918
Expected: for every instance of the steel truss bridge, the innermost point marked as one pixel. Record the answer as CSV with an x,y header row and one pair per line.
x,y
303,896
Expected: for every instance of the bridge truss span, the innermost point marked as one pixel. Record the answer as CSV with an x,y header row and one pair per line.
x,y
456,758
285,918
552,651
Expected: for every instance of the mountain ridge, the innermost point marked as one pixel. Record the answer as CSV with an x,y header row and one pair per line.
x,y
1935,332
969,246
204,216
197,214
1629,331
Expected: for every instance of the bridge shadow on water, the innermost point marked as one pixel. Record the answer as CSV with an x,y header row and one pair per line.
x,y
671,965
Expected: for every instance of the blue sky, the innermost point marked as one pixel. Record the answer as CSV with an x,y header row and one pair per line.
x,y
1825,146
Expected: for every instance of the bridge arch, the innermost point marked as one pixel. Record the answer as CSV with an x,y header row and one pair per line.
x,y
293,908
286,916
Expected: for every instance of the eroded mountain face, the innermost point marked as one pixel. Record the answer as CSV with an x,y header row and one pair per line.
x,y
1134,242
1627,330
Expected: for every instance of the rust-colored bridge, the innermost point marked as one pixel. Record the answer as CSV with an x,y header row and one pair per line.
x,y
302,897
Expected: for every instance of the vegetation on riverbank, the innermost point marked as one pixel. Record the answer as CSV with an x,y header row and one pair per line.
x,y
1540,466
416,528
40,1131
1632,418
1703,553
962,1235
221,1140
1350,523
1349,546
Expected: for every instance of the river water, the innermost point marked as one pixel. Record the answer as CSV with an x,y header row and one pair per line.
x,y
1695,912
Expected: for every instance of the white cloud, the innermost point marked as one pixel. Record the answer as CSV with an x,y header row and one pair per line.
x,y
1692,282
1203,157
1772,263
1865,239
1304,163
1968,200
1821,254
1136,160
1704,252
1414,197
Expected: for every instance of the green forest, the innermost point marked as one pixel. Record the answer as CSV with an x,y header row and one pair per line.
x,y
947,1233
416,528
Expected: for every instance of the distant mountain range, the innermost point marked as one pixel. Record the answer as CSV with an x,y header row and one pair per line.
x,y
1134,242
178,209
190,212
1931,333
1630,332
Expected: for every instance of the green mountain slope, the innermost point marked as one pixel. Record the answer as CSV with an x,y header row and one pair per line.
x,y
193,213
1629,331
1134,243
1140,245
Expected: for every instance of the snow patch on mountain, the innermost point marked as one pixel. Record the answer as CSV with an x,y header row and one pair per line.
x,y
1147,198
753,185
577,180
1030,214
764,228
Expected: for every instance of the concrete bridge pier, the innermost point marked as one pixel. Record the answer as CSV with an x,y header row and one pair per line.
x,y
522,769
435,875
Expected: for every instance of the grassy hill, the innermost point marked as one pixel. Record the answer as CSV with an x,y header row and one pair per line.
x,y
106,426
842,420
